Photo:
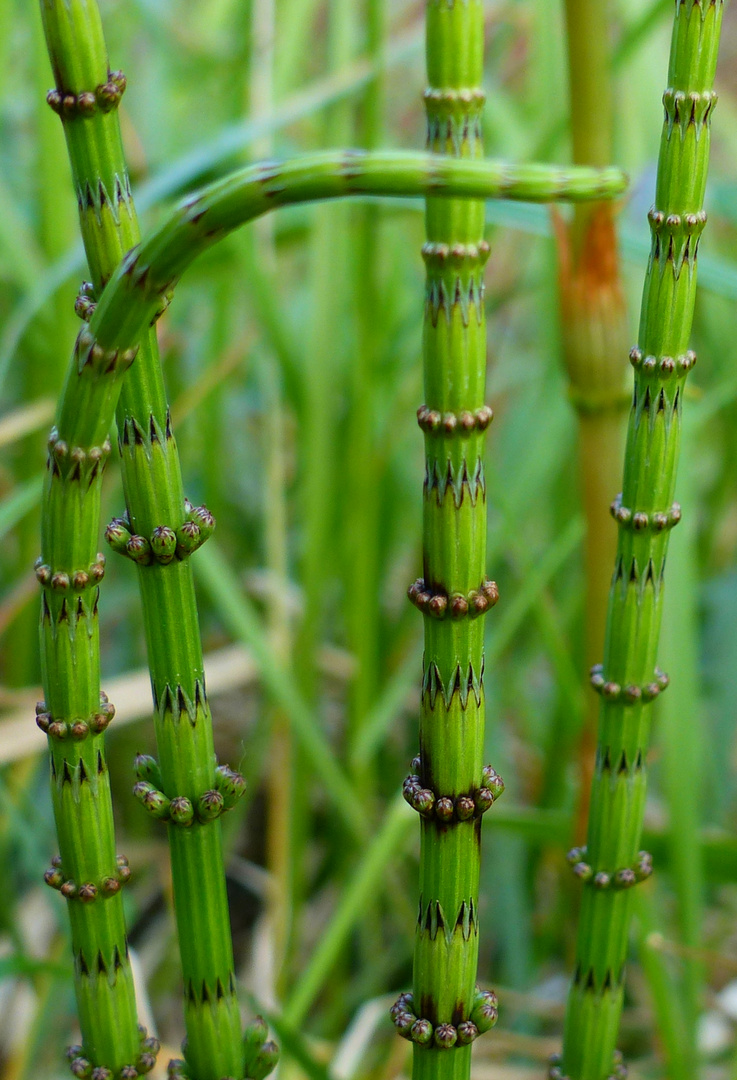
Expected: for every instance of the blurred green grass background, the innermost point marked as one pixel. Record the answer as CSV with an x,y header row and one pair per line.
x,y
292,359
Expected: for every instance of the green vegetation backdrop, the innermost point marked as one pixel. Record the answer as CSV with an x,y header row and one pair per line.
x,y
292,360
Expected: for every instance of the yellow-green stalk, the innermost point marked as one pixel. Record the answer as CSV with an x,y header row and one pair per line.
x,y
628,680
594,333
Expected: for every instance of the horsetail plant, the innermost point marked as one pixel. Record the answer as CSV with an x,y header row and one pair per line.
x,y
77,451
159,531
449,787
628,679
75,714
184,789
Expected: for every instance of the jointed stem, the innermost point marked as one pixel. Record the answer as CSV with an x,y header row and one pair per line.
x,y
75,715
154,497
146,275
445,1012
645,513
106,348
454,547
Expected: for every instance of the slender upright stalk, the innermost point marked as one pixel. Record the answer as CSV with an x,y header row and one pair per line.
x,y
158,533
362,515
628,679
75,714
454,583
447,785
594,333
327,336
282,759
283,814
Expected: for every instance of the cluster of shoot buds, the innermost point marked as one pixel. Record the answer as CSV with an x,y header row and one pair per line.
x,y
165,544
484,1015
620,879
180,810
83,1069
447,808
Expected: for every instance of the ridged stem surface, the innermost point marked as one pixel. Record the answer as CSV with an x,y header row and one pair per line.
x,y
154,497
70,572
146,275
80,782
645,514
454,542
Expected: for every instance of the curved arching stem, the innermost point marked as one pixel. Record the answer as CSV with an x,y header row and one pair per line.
x,y
149,272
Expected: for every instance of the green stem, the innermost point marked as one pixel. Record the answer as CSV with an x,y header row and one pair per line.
x,y
328,332
362,514
282,765
628,678
326,339
454,558
283,815
74,716
154,497
147,274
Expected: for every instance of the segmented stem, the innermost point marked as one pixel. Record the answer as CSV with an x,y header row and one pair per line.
x,y
74,715
645,512
148,273
86,97
454,545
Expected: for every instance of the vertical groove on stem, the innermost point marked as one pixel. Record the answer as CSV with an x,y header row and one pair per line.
x,y
154,497
74,714
645,512
454,543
